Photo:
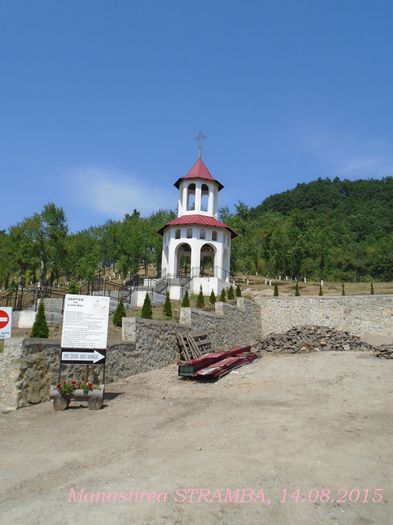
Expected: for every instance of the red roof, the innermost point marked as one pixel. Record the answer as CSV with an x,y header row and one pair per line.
x,y
203,220
199,171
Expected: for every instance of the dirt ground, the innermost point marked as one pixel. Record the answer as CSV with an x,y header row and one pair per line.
x,y
311,421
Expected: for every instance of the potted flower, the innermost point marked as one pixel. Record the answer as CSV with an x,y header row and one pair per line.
x,y
68,389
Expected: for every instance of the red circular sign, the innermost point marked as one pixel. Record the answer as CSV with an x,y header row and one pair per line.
x,y
4,319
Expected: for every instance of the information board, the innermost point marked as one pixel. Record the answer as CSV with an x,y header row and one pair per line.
x,y
85,321
5,322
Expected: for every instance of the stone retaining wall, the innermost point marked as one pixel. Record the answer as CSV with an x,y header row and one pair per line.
x,y
360,315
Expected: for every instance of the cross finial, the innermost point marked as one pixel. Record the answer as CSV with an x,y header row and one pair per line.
x,y
199,138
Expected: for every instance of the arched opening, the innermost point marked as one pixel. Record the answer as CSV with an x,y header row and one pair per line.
x,y
207,260
225,264
204,197
191,197
183,260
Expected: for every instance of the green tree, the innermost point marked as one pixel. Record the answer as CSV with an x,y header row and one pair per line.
x,y
200,299
186,300
73,288
223,296
147,310
167,306
40,326
120,312
238,291
231,293
297,291
275,293
212,298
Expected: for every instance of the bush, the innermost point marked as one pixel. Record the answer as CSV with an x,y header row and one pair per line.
x,y
186,300
238,291
342,289
40,326
120,312
167,306
275,293
297,292
73,288
223,296
231,293
201,299
147,311
212,298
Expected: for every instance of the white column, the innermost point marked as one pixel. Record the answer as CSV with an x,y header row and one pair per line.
x,y
195,258
198,196
184,198
210,208
171,257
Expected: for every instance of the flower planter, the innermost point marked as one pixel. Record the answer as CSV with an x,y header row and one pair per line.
x,y
94,398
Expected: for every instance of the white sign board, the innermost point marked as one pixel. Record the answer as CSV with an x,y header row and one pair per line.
x,y
5,322
85,321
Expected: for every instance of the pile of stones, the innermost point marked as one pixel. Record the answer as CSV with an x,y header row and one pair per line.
x,y
385,351
313,339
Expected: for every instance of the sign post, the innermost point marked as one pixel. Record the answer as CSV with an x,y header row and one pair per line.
x,y
5,322
83,342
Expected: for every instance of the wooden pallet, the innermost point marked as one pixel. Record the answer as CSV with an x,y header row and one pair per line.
x,y
191,347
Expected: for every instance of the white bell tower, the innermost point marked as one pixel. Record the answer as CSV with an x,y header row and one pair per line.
x,y
196,245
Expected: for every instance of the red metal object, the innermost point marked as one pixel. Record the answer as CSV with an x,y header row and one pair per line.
x,y
199,171
203,220
215,365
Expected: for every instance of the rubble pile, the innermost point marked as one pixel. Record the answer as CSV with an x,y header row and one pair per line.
x,y
313,339
385,351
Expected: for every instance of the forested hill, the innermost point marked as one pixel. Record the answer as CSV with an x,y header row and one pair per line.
x,y
334,229
330,229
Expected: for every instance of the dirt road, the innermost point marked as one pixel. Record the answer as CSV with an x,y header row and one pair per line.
x,y
286,422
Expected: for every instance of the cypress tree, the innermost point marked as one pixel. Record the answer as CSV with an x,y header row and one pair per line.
x,y
238,291
40,326
371,288
275,293
297,292
201,299
212,298
342,289
168,306
320,290
147,311
223,296
231,294
119,314
186,300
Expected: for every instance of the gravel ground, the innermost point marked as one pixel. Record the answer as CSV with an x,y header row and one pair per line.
x,y
310,421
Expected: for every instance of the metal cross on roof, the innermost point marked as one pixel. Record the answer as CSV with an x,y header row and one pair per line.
x,y
200,138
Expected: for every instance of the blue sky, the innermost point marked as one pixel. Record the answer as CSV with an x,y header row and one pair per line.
x,y
100,101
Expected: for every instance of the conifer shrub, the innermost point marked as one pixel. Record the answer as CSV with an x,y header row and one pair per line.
x,y
120,312
342,289
297,292
275,293
372,289
231,293
238,291
200,299
212,298
320,290
40,327
147,310
168,306
186,300
223,296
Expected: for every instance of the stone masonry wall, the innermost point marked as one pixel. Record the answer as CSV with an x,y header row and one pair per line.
x,y
360,315
229,325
